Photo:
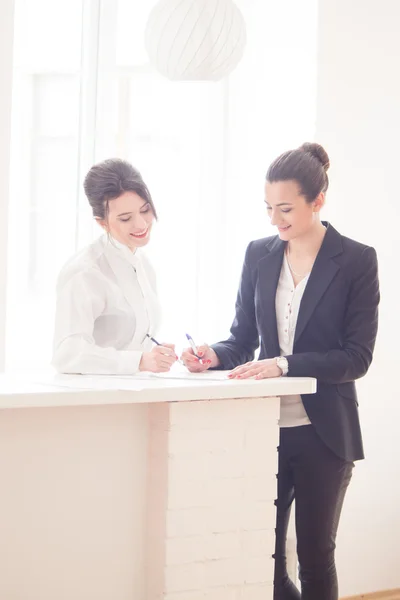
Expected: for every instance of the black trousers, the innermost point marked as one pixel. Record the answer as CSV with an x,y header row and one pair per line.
x,y
317,479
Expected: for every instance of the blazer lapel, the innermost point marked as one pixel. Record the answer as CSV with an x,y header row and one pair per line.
x,y
269,269
323,272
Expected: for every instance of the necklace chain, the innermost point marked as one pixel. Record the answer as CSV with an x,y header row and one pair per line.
x,y
291,268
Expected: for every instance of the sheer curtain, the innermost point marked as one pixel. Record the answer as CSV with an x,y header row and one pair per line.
x,y
84,91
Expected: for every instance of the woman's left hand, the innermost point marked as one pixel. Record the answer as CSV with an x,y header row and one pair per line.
x,y
259,369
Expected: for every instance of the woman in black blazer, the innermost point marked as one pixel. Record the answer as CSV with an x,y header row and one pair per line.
x,y
309,298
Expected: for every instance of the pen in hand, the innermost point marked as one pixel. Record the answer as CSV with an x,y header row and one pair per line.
x,y
193,347
157,343
153,340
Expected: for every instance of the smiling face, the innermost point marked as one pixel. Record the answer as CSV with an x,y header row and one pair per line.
x,y
289,210
129,220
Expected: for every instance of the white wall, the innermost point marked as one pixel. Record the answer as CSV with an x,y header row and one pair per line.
x,y
6,52
263,121
358,121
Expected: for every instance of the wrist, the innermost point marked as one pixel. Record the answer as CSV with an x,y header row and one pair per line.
x,y
215,362
142,361
282,363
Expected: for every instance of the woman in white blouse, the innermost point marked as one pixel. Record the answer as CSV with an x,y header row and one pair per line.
x,y
107,308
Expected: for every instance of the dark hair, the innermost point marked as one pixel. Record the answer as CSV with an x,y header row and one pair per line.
x,y
306,165
108,180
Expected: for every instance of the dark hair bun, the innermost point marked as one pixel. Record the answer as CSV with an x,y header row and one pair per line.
x,y
318,152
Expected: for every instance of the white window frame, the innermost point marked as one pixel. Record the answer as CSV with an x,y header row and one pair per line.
x,y
84,158
229,221
6,66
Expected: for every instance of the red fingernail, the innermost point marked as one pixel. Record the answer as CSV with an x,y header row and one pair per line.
x,y
239,376
208,362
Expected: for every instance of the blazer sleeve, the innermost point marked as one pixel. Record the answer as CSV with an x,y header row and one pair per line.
x,y
360,329
244,340
75,350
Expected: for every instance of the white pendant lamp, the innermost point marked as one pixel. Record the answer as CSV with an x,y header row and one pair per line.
x,y
195,40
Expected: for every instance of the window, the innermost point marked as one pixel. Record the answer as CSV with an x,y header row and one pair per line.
x,y
84,91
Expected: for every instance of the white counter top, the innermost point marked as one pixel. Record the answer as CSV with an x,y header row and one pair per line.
x,y
33,389
113,474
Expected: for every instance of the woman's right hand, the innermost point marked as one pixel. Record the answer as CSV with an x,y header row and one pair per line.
x,y
209,359
159,360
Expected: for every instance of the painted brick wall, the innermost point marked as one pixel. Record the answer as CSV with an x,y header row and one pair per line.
x,y
211,513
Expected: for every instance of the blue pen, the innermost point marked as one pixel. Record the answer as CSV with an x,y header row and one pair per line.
x,y
193,347
153,340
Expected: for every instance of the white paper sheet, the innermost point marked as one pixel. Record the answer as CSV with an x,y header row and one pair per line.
x,y
126,382
183,374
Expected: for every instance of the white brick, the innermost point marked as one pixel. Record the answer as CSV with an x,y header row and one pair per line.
x,y
224,593
259,515
227,413
225,491
261,410
188,467
258,543
259,440
259,569
246,516
182,494
223,545
185,522
262,487
203,440
204,414
224,519
227,571
183,550
182,578
216,461
186,596
260,464
228,440
226,465
259,591
181,440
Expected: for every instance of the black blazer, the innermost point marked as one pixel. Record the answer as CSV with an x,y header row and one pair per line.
x,y
335,333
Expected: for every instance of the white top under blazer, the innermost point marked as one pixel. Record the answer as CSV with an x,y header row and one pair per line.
x,y
106,304
287,305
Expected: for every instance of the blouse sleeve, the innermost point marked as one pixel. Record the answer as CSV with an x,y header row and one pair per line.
x,y
75,351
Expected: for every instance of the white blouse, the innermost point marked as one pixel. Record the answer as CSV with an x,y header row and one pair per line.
x,y
106,304
287,306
